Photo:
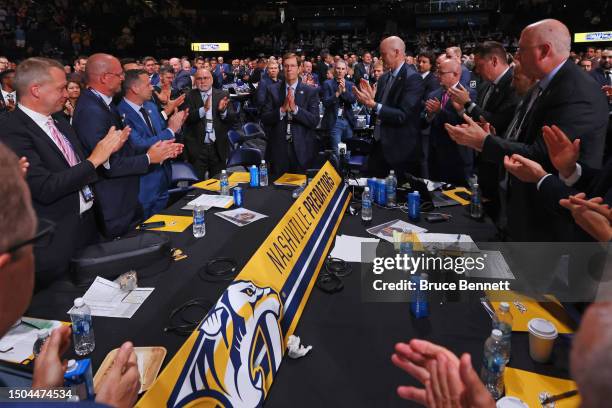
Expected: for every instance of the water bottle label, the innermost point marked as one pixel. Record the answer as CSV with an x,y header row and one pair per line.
x,y
366,204
496,364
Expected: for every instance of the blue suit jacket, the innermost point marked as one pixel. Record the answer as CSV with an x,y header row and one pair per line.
x,y
302,128
333,103
182,80
155,79
448,160
155,184
599,76
117,188
260,96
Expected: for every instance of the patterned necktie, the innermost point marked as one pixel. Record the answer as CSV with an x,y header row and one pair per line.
x,y
444,99
63,143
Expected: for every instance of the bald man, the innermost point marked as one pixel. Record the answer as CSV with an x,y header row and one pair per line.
x,y
118,180
182,78
564,96
396,106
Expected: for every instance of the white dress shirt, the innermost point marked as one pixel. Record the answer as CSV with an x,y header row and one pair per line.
x,y
41,120
9,95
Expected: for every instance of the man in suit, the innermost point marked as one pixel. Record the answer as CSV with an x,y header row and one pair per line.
x,y
165,96
396,106
308,77
8,96
118,181
61,173
338,99
237,71
210,117
292,113
149,66
364,69
149,128
447,161
182,78
468,78
267,80
603,76
425,66
564,96
324,65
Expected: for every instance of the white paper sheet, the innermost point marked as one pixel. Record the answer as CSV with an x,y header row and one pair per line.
x,y
385,231
496,267
349,248
105,298
17,344
209,200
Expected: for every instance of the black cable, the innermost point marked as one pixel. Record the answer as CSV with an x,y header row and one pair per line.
x,y
186,326
338,267
211,272
329,283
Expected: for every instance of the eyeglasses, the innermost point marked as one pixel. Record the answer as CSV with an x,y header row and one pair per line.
x,y
120,75
42,238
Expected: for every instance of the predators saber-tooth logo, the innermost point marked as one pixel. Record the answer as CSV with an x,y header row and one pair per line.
x,y
244,325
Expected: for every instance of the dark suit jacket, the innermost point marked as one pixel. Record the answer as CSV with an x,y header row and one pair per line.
x,y
399,117
153,185
430,84
360,72
322,70
195,127
500,105
573,102
302,127
182,80
333,103
448,161
260,95
118,187
599,75
154,79
54,185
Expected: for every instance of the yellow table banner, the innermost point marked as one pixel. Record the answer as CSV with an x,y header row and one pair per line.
x,y
232,357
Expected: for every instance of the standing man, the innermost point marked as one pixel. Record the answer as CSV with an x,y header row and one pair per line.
x,y
324,65
267,80
603,75
182,78
210,117
61,174
308,77
8,99
425,66
292,112
364,69
149,128
338,99
397,107
119,179
448,161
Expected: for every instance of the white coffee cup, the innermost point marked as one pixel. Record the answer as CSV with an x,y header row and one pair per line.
x,y
542,335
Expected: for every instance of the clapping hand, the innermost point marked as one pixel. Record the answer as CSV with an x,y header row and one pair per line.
x,y
562,152
432,106
223,104
528,171
592,215
469,134
460,95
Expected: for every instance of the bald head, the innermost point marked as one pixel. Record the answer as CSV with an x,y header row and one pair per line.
x,y
449,73
104,73
591,359
543,46
393,51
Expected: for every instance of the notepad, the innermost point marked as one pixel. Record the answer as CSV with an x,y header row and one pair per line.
x,y
213,185
289,179
174,223
239,177
527,386
552,311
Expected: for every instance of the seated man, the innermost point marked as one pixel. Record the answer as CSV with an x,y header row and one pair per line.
x,y
449,379
120,386
148,128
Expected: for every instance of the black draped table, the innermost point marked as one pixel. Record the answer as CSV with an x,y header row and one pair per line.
x,y
352,340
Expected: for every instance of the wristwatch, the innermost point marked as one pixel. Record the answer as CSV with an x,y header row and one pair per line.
x,y
468,106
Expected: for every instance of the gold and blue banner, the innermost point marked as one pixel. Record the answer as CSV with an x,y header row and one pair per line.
x,y
233,356
595,36
210,47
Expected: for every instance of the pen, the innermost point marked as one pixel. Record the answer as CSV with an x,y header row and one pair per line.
x,y
558,397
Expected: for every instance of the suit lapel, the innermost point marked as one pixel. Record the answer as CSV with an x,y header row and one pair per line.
x,y
38,132
67,131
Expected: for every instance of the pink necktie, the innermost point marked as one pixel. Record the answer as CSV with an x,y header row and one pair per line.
x,y
62,143
444,99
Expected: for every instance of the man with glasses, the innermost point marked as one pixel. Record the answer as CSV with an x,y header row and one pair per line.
x,y
118,183
17,235
60,174
292,112
564,96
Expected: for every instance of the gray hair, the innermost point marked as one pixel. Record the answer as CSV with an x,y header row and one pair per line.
x,y
34,71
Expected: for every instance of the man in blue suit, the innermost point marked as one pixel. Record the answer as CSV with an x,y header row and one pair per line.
x,y
182,79
292,113
266,81
396,106
338,99
149,66
221,73
148,128
118,179
448,161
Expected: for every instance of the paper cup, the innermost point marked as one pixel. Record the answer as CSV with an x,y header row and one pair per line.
x,y
542,335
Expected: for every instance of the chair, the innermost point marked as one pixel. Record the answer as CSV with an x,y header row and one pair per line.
x,y
360,150
182,174
235,139
244,156
253,130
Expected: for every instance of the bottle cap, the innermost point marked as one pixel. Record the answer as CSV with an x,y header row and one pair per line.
x,y
504,306
43,333
71,365
263,162
475,185
366,188
496,334
79,302
223,171
392,172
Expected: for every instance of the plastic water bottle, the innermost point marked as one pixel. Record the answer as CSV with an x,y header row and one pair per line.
x,y
503,322
199,221
366,205
420,305
82,328
41,338
224,183
263,174
494,364
391,186
475,202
